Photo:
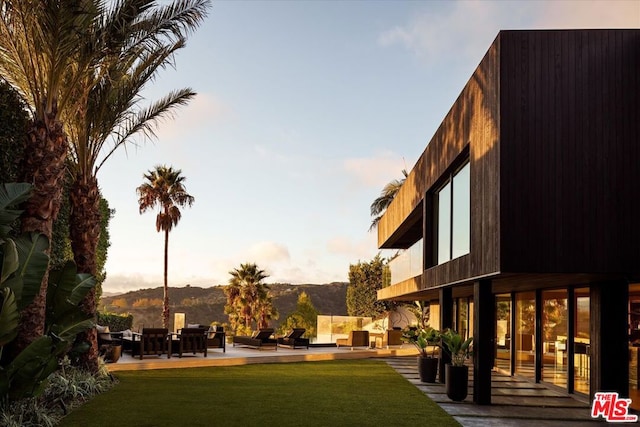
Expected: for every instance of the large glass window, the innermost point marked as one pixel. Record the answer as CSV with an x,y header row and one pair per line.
x,y
444,224
555,329
503,332
460,230
581,341
454,216
525,313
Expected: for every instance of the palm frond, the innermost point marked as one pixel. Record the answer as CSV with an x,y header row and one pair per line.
x,y
382,202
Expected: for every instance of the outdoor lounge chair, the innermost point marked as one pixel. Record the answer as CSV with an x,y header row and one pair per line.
x,y
261,339
294,338
190,340
356,339
150,341
391,337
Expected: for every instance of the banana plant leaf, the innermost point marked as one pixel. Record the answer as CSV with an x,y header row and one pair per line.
x,y
9,316
28,371
26,281
11,194
10,261
65,291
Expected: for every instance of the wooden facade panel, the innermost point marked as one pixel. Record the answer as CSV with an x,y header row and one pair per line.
x,y
551,123
406,287
569,132
483,106
472,127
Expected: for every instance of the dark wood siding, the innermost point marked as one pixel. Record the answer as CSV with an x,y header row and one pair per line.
x,y
471,126
570,130
474,122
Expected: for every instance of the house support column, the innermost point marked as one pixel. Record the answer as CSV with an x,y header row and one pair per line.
x,y
484,316
446,321
609,350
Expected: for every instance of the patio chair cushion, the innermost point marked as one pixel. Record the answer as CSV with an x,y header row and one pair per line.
x,y
263,334
295,333
294,339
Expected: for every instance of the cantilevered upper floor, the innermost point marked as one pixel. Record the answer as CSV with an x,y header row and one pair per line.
x,y
534,170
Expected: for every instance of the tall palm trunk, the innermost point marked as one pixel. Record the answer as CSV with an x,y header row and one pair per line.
x,y
165,301
46,146
84,232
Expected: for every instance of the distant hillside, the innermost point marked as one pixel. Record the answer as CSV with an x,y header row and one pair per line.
x,y
206,305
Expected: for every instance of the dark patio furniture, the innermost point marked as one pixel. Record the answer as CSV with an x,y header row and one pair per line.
x,y
109,344
262,339
391,337
150,341
189,340
294,338
356,339
217,338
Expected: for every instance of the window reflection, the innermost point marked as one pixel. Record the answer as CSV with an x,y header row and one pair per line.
x,y
444,224
454,216
461,213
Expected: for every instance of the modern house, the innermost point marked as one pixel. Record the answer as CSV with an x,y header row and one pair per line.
x,y
521,219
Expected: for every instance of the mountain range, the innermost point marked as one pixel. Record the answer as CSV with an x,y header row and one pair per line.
x,y
206,305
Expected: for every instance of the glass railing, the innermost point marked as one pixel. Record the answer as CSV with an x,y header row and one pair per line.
x,y
408,264
330,328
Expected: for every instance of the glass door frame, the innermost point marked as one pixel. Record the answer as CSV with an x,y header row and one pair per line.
x,y
538,334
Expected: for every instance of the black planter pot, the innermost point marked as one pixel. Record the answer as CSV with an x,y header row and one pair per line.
x,y
428,369
457,381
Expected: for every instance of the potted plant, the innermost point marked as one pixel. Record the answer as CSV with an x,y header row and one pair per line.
x,y
456,372
424,338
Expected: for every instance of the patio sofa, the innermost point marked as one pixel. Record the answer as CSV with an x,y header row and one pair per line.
x,y
259,340
216,336
150,341
190,340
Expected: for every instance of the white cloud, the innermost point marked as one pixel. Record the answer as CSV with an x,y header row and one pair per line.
x,y
377,170
127,282
268,253
363,248
198,114
465,27
270,155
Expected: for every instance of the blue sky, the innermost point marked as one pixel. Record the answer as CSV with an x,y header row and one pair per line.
x,y
304,111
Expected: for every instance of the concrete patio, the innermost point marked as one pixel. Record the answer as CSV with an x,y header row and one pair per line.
x,y
515,402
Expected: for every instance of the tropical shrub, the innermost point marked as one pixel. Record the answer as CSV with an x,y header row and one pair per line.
x,y
456,346
422,339
23,263
67,388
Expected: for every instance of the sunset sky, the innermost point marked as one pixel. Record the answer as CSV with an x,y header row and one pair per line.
x,y
304,111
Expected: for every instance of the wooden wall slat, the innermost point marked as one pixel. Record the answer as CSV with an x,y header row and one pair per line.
x,y
568,130
552,122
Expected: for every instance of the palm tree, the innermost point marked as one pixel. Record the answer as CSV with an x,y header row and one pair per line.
x,y
40,56
248,299
140,39
164,188
382,202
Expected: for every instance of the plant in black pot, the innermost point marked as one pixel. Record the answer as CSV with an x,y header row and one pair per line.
x,y
426,341
456,372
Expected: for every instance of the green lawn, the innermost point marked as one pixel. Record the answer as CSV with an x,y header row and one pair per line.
x,y
335,393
